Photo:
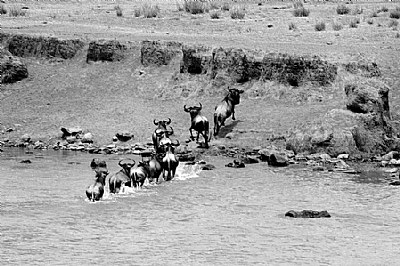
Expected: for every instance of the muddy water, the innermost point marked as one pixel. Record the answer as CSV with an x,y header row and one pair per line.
x,y
221,217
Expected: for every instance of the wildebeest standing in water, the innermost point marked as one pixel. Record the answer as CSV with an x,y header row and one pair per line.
x,y
158,132
96,191
198,122
155,167
139,174
226,108
122,177
170,162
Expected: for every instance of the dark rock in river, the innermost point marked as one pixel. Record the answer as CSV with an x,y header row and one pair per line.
x,y
208,167
236,164
308,214
124,136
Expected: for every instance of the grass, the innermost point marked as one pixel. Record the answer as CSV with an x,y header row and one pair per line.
x,y
397,36
195,7
215,14
342,9
3,10
374,14
354,23
137,12
320,26
238,12
301,12
370,21
292,26
393,23
150,11
297,5
383,9
16,11
357,10
336,26
225,6
395,13
118,10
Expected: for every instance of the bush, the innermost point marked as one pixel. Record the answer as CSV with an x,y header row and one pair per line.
x,y
118,10
357,10
320,26
393,23
17,11
383,9
301,12
394,14
238,13
354,23
370,21
213,5
225,6
397,35
342,9
150,11
195,7
337,26
214,14
298,4
137,12
292,26
374,14
3,10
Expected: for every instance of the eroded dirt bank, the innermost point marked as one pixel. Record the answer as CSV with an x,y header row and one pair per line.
x,y
107,86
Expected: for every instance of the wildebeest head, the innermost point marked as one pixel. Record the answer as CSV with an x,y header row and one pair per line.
x,y
126,164
162,123
164,132
96,163
193,110
234,95
170,147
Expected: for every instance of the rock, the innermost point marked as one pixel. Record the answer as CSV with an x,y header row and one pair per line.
x,y
159,53
236,164
26,161
368,96
105,50
278,160
73,131
39,46
391,155
395,183
189,157
124,136
308,214
250,159
25,138
230,135
11,68
208,167
87,138
343,156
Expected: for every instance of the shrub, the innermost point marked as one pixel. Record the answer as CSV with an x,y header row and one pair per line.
x,y
357,10
298,4
150,11
337,26
393,23
301,12
292,26
353,23
394,14
370,21
195,6
238,12
342,9
213,5
16,11
320,26
383,9
137,12
397,35
3,10
225,6
214,14
374,14
118,10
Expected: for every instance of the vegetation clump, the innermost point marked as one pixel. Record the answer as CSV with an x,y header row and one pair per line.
x,y
395,13
336,26
301,12
225,6
215,14
354,23
292,26
150,11
118,10
320,26
342,9
195,7
3,10
17,11
238,12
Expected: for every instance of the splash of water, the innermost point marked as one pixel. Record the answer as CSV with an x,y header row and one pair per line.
x,y
187,171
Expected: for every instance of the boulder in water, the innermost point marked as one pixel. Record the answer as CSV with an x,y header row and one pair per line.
x,y
307,214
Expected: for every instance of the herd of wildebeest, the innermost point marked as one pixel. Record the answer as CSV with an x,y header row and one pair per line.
x,y
163,161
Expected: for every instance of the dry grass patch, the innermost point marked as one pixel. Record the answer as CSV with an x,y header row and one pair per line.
x,y
301,12
320,26
150,11
370,21
342,9
215,14
354,23
16,11
118,11
225,6
195,7
3,10
395,13
238,12
393,23
292,26
336,26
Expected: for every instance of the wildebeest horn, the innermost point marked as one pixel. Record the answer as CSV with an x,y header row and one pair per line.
x,y
185,109
169,121
170,132
130,164
201,106
155,122
177,143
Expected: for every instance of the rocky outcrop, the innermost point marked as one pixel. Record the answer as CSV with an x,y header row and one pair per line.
x,y
159,53
239,65
364,128
105,50
12,69
308,214
25,46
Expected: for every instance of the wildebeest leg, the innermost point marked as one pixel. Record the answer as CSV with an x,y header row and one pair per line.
x,y
233,113
191,134
197,138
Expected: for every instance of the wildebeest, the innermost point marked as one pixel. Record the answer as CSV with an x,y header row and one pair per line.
x,y
198,122
164,139
139,174
161,127
95,191
170,162
155,167
226,108
122,177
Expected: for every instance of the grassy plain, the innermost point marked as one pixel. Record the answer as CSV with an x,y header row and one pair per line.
x,y
104,98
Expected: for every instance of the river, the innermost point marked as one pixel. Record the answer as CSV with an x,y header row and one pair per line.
x,y
222,217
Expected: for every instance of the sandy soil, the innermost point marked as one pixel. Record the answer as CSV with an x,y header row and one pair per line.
x,y
104,98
